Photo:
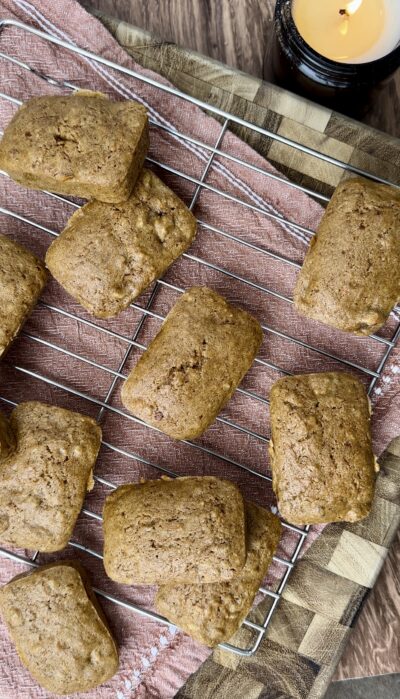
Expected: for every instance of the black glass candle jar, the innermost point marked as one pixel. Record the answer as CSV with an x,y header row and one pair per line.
x,y
293,64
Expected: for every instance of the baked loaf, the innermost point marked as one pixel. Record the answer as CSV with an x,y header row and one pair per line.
x,y
81,144
194,364
350,277
321,454
108,254
7,438
184,530
44,481
212,613
59,629
22,278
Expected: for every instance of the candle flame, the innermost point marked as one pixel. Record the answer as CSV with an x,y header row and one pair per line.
x,y
353,6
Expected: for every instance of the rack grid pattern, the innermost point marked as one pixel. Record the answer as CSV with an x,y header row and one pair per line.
x,y
287,563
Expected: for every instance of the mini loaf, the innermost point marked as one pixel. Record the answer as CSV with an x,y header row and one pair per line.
x,y
212,613
59,630
7,438
184,530
44,481
22,278
350,277
323,467
108,254
82,144
194,364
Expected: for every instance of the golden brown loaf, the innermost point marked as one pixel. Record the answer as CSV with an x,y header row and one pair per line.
x,y
59,629
323,467
81,144
350,277
7,437
212,613
184,530
22,278
109,253
194,364
44,481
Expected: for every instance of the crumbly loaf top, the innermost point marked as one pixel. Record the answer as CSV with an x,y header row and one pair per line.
x,y
193,365
109,253
322,460
79,138
22,278
350,274
7,437
212,613
187,529
43,483
59,631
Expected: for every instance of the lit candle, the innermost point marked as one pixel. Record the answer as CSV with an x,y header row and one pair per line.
x,y
349,32
334,51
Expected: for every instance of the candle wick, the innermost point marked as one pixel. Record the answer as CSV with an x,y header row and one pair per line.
x,y
343,12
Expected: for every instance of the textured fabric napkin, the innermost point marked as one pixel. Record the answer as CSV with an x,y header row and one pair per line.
x,y
157,659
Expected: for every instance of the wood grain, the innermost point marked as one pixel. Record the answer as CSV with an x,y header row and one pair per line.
x,y
229,31
374,645
271,107
236,33
377,630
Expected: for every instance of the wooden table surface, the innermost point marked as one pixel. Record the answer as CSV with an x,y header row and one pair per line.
x,y
374,645
235,32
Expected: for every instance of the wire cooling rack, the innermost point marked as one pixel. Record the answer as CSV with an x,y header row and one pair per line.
x,y
286,564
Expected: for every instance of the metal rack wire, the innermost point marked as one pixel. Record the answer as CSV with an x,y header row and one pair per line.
x,y
287,564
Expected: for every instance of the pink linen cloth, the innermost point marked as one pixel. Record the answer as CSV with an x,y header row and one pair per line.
x,y
156,659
